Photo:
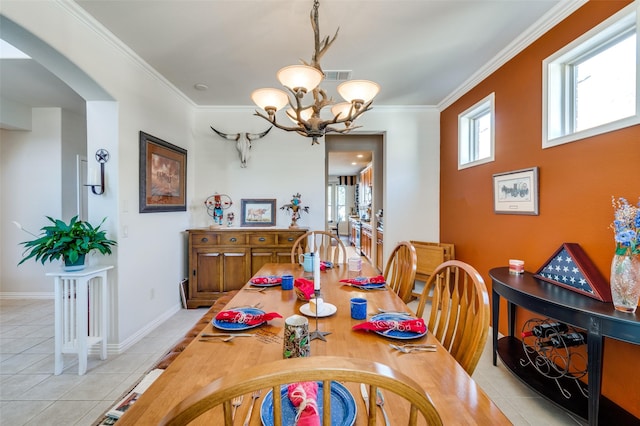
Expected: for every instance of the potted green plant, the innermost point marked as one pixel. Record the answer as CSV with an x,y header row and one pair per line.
x,y
70,242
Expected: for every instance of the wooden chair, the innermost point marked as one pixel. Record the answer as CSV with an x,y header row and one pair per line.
x,y
330,247
326,369
400,270
459,316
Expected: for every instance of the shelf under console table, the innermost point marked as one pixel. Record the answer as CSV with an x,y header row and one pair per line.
x,y
599,319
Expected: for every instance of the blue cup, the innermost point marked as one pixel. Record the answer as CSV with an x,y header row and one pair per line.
x,y
359,308
287,282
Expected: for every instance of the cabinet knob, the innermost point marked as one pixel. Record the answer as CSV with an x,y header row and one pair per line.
x,y
261,239
204,239
290,239
233,239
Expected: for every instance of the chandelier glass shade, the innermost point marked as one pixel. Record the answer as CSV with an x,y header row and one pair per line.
x,y
270,99
359,91
300,78
303,81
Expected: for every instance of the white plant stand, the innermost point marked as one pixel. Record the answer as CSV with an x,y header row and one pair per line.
x,y
81,306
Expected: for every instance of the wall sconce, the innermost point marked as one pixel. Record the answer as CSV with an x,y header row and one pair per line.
x,y
102,156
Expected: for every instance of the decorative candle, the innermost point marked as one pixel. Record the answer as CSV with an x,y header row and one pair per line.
x,y
316,270
296,337
516,266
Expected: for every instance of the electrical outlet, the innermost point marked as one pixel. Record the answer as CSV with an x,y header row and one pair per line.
x,y
125,231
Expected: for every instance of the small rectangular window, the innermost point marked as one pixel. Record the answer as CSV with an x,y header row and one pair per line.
x,y
476,134
591,85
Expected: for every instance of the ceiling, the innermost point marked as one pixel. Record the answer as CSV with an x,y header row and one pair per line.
x,y
421,52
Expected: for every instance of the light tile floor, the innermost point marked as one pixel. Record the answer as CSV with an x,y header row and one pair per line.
x,y
31,395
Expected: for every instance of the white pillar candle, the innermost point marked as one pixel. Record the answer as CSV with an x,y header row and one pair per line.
x,y
316,270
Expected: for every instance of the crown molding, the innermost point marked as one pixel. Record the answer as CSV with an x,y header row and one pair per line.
x,y
553,17
91,23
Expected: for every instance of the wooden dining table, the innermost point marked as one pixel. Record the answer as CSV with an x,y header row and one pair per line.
x,y
458,399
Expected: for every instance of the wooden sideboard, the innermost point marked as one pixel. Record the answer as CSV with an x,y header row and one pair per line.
x,y
224,259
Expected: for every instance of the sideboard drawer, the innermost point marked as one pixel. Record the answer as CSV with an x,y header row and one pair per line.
x,y
262,239
203,239
288,238
232,238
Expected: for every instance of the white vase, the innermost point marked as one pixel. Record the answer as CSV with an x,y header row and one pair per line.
x,y
625,282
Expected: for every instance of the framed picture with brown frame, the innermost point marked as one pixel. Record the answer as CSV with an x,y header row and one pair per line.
x,y
516,192
258,212
163,175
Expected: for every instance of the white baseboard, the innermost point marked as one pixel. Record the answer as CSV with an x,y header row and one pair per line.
x,y
117,348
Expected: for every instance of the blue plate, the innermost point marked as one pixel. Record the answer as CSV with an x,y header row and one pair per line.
x,y
372,286
343,406
236,326
268,284
396,334
368,286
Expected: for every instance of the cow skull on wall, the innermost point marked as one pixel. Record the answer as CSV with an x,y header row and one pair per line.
x,y
243,142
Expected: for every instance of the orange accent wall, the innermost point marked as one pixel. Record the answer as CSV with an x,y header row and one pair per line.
x,y
576,182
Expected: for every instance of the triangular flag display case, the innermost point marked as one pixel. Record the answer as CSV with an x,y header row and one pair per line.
x,y
571,268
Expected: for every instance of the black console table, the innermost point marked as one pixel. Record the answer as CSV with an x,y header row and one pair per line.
x,y
597,318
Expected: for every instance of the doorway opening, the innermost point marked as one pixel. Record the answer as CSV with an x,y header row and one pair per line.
x,y
355,191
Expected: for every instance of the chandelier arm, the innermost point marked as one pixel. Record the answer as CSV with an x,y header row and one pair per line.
x,y
330,129
275,123
321,99
366,107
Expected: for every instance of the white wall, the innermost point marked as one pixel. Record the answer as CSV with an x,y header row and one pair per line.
x,y
411,172
31,170
74,143
281,165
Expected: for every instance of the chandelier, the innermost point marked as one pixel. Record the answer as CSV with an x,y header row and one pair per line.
x,y
302,79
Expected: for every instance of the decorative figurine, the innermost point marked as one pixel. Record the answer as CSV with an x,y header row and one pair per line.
x,y
230,217
295,208
216,204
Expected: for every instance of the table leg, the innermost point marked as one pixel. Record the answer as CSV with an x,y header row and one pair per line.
x,y
594,368
57,324
82,289
495,309
511,317
103,315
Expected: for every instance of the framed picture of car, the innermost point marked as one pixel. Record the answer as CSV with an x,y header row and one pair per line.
x,y
516,192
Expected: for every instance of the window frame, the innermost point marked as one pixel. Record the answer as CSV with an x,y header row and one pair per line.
x,y
558,97
467,135
333,205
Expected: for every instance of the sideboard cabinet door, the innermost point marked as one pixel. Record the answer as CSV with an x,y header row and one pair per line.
x,y
223,259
